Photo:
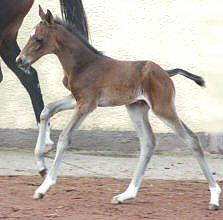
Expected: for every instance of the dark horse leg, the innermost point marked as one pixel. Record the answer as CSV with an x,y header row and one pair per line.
x,y
11,19
9,50
1,76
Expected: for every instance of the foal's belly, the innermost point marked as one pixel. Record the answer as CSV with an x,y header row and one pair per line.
x,y
114,102
117,97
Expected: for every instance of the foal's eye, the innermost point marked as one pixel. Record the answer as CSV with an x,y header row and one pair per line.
x,y
39,39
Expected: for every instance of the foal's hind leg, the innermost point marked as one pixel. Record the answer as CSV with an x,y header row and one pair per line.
x,y
170,117
49,110
138,113
214,187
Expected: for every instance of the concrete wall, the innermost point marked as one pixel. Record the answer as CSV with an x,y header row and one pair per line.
x,y
174,33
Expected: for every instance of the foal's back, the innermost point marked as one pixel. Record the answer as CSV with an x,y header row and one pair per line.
x,y
125,82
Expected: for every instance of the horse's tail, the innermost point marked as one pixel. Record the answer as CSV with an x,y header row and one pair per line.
x,y
197,79
73,13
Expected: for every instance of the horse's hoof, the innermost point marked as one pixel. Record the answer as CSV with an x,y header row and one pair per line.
x,y
115,201
38,195
43,173
213,207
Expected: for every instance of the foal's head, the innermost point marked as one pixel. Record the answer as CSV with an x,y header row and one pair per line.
x,y
42,41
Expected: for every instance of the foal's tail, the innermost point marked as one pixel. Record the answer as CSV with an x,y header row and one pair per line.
x,y
73,13
197,79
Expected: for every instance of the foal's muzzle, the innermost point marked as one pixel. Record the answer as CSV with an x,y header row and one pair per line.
x,y
23,63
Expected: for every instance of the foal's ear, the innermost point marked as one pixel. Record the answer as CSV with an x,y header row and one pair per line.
x,y
49,17
41,13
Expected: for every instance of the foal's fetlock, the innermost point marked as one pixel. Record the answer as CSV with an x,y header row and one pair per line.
x,y
215,194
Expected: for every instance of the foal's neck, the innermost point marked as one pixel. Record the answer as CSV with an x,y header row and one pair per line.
x,y
73,54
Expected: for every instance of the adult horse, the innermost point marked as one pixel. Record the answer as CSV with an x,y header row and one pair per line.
x,y
12,13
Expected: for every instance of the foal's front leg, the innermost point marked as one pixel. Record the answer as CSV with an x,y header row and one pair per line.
x,y
49,110
81,111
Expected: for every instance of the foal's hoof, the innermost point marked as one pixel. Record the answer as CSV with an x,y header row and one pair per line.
x,y
213,207
43,173
115,201
38,195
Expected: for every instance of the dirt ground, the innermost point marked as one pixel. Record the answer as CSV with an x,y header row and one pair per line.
x,y
173,187
89,198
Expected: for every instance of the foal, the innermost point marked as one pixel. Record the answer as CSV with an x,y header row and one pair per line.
x,y
96,80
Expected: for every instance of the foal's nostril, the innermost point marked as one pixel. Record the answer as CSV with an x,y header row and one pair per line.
x,y
19,61
23,63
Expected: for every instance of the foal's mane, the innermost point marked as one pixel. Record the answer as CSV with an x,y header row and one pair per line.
x,y
72,29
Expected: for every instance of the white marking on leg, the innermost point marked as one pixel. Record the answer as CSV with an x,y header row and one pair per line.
x,y
130,193
215,194
45,185
48,139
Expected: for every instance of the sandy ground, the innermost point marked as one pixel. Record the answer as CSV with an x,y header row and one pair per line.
x,y
172,165
173,187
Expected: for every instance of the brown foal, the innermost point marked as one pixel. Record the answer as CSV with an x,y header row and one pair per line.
x,y
97,80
